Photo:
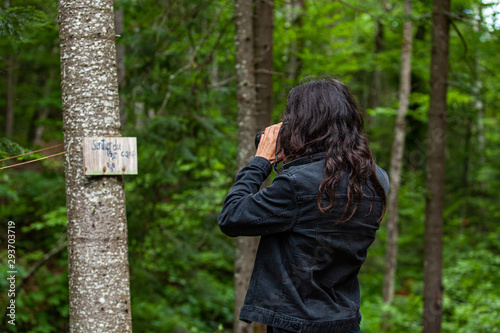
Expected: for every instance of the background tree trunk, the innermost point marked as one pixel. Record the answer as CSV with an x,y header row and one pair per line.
x,y
263,53
294,66
40,116
246,247
97,228
376,84
478,103
10,93
433,288
120,63
397,158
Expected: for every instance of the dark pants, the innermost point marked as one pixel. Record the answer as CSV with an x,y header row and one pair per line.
x,y
271,329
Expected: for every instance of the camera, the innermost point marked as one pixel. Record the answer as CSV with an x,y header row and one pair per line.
x,y
257,139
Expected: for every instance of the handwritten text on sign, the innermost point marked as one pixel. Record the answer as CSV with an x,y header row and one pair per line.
x,y
110,156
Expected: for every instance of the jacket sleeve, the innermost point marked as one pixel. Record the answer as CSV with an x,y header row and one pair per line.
x,y
248,211
383,179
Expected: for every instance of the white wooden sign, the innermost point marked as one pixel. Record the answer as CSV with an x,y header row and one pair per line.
x,y
110,156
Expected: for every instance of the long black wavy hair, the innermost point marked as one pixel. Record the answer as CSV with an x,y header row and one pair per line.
x,y
323,116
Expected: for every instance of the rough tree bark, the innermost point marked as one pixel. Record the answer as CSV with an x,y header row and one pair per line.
x,y
433,288
294,66
246,247
263,52
397,158
263,59
97,229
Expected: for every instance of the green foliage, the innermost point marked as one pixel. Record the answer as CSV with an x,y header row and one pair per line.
x,y
10,148
20,24
469,288
403,315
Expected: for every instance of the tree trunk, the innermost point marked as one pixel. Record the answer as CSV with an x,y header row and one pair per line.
x,y
263,47
465,175
246,247
397,159
9,115
39,127
214,71
376,84
139,114
433,288
10,93
263,52
97,228
120,64
478,102
297,9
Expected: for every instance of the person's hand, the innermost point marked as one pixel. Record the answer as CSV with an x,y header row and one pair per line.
x,y
267,143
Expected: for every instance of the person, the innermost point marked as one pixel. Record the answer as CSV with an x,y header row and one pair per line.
x,y
317,218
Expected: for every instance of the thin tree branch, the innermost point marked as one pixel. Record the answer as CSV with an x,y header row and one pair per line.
x,y
62,244
224,82
466,49
474,22
375,18
265,71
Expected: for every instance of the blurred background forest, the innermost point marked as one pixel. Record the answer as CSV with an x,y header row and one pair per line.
x,y
178,95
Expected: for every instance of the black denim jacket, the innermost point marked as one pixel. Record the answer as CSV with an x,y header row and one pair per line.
x,y
305,273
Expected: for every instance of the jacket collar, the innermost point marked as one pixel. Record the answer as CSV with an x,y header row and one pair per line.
x,y
305,160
